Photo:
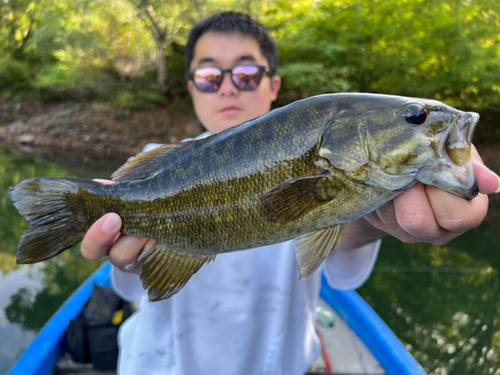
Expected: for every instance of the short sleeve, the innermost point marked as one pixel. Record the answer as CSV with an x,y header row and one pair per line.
x,y
127,285
349,269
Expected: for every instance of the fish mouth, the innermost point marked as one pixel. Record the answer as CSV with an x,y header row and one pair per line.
x,y
459,140
453,171
472,122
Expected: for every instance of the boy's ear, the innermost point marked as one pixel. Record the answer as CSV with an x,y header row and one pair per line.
x,y
190,87
275,87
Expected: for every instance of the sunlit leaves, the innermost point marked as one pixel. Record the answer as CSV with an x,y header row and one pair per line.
x,y
444,49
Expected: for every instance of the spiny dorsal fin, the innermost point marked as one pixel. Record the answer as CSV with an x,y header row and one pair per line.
x,y
164,272
312,248
145,164
292,199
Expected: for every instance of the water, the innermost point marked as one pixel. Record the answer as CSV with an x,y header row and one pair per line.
x,y
441,301
30,294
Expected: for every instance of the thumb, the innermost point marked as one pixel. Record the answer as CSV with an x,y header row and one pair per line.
x,y
101,235
487,181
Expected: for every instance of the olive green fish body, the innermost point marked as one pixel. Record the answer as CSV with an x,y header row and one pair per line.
x,y
210,200
301,171
229,215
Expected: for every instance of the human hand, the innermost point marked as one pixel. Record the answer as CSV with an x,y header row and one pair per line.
x,y
104,239
425,213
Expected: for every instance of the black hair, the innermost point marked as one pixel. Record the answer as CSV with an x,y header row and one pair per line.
x,y
234,22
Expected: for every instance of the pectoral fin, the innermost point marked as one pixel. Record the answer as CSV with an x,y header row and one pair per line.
x,y
312,248
164,272
292,199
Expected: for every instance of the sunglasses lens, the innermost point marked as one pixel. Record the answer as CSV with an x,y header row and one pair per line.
x,y
246,77
207,79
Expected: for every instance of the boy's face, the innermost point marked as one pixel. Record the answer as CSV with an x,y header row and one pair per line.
x,y
229,107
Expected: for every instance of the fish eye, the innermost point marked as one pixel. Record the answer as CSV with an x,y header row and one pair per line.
x,y
415,114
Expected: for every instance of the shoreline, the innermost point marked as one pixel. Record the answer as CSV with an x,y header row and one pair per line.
x,y
86,132
99,133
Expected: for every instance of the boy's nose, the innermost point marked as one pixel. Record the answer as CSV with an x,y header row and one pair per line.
x,y
227,87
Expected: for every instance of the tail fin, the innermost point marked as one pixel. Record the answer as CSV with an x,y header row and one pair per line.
x,y
54,226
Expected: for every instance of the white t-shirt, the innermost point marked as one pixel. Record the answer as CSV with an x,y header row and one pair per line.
x,y
244,313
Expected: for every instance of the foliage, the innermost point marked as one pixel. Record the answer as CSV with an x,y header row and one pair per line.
x,y
447,50
86,49
443,49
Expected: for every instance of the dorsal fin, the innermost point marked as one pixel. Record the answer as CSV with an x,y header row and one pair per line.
x,y
145,164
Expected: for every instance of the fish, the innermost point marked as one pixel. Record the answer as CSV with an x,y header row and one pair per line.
x,y
300,172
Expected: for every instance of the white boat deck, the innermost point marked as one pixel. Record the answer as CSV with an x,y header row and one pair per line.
x,y
348,354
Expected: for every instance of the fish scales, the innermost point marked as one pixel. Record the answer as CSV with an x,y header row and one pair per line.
x,y
224,213
302,171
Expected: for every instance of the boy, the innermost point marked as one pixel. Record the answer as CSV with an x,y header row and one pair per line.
x,y
247,312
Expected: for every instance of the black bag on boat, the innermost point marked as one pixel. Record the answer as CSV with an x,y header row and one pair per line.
x,y
93,336
78,344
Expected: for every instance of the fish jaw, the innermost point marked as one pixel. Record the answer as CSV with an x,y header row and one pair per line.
x,y
460,181
453,171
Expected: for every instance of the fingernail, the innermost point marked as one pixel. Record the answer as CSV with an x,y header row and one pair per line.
x,y
111,223
482,167
498,178
130,266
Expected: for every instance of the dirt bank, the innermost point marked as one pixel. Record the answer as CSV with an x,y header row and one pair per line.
x,y
91,132
83,132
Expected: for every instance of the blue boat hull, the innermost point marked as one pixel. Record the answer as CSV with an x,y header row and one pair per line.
x,y
48,347
372,330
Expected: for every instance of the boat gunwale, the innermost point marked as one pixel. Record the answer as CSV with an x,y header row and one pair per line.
x,y
43,353
372,330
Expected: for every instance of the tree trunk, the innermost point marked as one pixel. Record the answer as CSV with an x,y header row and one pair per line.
x,y
159,38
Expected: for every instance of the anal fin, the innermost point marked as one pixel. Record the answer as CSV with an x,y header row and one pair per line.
x,y
164,272
312,248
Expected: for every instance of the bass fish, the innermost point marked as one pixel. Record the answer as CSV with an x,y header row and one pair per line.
x,y
298,172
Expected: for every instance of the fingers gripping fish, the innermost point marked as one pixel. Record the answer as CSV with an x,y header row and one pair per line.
x,y
298,172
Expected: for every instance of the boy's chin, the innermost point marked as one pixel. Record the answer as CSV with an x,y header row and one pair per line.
x,y
214,129
225,123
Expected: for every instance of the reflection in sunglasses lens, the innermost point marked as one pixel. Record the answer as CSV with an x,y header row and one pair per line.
x,y
246,77
208,79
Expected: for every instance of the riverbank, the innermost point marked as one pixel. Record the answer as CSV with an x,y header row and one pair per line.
x,y
88,132
99,133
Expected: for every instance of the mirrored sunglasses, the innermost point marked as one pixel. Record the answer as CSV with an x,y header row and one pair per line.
x,y
244,77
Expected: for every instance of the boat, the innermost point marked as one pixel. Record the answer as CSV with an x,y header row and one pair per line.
x,y
372,331
49,346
